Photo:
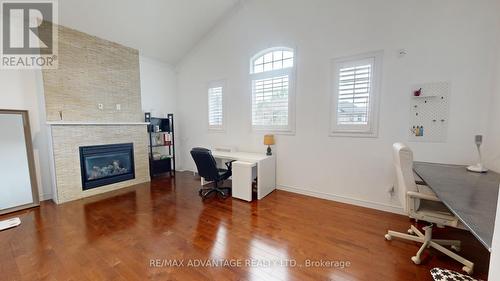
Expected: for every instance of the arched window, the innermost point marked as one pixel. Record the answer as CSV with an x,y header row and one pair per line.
x,y
272,83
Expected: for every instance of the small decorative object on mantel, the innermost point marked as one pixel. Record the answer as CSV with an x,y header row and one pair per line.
x,y
269,140
478,168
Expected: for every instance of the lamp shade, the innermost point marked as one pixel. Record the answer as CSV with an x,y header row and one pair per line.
x,y
269,139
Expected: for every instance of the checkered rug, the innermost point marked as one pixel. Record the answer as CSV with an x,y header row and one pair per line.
x,y
440,274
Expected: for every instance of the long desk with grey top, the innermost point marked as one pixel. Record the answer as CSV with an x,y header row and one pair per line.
x,y
472,197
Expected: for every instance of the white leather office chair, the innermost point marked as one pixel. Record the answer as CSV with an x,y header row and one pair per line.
x,y
421,203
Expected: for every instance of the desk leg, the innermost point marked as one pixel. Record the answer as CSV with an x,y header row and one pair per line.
x,y
266,177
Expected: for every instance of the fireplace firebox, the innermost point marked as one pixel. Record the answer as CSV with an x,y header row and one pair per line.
x,y
106,164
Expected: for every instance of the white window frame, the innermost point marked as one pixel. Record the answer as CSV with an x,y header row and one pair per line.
x,y
216,84
353,130
290,128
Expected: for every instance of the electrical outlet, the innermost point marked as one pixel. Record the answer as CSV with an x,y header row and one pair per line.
x,y
100,106
391,190
118,107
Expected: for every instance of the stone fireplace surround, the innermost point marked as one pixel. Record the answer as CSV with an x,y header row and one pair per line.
x,y
92,98
67,138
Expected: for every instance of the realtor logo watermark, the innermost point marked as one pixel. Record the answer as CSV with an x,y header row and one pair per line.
x,y
29,34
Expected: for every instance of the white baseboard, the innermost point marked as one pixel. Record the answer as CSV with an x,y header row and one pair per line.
x,y
344,199
45,196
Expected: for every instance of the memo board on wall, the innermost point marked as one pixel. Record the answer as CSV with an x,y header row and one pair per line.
x,y
429,112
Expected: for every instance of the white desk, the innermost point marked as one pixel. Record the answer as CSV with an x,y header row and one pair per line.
x,y
266,169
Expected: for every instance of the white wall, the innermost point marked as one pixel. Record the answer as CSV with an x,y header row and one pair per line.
x,y
158,91
492,138
446,41
493,159
158,85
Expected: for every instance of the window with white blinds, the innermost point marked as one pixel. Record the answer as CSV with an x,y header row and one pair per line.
x,y
355,95
216,106
272,101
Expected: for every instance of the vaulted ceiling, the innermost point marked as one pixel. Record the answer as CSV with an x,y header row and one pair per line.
x,y
161,29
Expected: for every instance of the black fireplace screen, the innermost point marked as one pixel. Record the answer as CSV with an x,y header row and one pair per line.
x,y
106,164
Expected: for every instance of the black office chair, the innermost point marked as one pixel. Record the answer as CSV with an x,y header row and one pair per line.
x,y
207,169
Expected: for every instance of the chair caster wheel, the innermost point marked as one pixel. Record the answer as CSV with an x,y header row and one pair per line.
x,y
456,248
467,270
410,231
416,260
388,237
200,192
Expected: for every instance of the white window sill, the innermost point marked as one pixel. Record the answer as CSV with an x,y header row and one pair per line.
x,y
216,130
354,134
274,131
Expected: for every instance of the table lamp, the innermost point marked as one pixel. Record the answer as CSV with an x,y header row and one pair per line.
x,y
479,167
269,140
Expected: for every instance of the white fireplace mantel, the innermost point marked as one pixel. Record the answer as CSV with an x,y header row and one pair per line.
x,y
80,123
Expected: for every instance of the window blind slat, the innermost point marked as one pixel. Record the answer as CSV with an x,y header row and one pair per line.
x,y
215,107
270,101
353,101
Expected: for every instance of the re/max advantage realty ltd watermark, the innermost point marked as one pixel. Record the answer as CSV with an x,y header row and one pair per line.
x,y
29,38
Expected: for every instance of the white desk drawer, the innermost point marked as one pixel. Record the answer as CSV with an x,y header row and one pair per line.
x,y
243,175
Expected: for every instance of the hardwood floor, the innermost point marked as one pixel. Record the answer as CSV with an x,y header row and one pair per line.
x,y
131,235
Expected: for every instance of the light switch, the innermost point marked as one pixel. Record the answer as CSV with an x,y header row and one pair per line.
x,y
118,107
100,106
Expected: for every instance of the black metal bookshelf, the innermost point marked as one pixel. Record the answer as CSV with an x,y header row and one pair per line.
x,y
161,145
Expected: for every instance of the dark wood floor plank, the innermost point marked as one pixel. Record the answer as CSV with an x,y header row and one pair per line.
x,y
115,236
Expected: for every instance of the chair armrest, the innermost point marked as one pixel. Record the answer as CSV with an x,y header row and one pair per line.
x,y
229,164
422,196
